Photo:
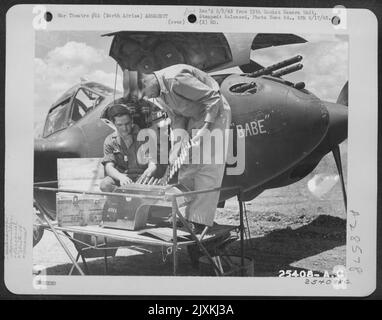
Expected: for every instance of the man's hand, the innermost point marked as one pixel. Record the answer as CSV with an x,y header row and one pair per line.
x,y
202,131
124,180
147,173
174,153
112,172
173,156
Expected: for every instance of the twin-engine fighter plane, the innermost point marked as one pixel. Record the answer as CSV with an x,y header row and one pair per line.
x,y
288,130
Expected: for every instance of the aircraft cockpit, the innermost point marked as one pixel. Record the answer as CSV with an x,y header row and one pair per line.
x,y
74,105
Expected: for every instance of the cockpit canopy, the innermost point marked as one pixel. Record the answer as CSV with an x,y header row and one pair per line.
x,y
150,51
73,105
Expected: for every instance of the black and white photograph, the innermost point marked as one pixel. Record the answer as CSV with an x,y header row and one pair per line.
x,y
294,193
205,155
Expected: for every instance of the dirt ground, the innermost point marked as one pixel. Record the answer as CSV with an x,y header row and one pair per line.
x,y
286,229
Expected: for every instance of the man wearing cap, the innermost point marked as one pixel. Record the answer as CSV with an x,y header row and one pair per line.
x,y
121,159
193,102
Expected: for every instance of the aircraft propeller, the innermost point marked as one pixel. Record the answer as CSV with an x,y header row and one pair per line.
x,y
342,99
337,125
337,158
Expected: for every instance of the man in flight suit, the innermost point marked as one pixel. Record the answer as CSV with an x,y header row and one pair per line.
x,y
121,160
192,100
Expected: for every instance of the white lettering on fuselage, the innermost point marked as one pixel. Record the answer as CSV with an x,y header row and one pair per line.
x,y
252,128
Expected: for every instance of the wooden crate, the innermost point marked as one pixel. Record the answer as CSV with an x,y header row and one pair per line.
x,y
84,174
79,209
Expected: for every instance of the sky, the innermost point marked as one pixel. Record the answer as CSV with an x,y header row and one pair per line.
x,y
62,58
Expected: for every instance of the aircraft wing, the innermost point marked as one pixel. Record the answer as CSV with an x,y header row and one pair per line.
x,y
266,40
150,51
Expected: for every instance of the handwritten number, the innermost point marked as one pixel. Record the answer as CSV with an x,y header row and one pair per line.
x,y
358,260
355,238
359,270
354,249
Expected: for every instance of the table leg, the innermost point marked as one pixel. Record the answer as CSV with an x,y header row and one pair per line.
x,y
241,235
58,238
105,257
200,245
174,236
85,263
106,266
72,268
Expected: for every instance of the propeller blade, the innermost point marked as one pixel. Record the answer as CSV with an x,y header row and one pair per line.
x,y
343,96
337,158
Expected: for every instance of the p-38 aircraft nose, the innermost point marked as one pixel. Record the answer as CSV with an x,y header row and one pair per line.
x,y
338,123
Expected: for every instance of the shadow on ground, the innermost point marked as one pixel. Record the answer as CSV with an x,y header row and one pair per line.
x,y
275,251
280,248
